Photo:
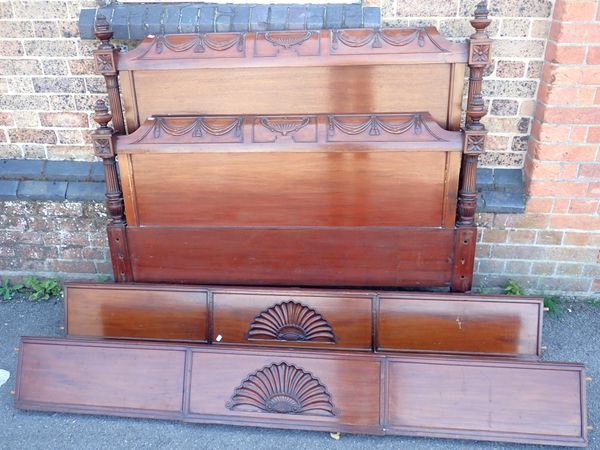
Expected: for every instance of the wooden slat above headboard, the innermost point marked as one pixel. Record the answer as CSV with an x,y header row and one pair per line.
x,y
304,72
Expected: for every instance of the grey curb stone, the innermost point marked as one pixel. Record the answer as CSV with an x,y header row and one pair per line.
x,y
485,179
508,179
67,170
18,169
85,191
42,190
8,189
135,21
502,202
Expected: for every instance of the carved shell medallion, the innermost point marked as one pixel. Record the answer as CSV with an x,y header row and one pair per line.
x,y
282,388
291,321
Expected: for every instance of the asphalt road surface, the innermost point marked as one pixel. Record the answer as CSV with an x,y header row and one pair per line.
x,y
573,334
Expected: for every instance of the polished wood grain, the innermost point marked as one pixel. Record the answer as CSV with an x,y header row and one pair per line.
x,y
502,401
307,256
323,318
137,311
290,189
363,89
459,323
470,398
291,318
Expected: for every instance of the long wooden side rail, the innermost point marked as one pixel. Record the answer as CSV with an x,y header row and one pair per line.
x,y
470,398
305,318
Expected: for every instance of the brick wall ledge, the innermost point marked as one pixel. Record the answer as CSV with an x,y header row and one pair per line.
x,y
500,190
136,21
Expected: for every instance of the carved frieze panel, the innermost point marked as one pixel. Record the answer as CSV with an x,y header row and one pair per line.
x,y
194,46
282,388
276,128
380,128
291,321
391,40
294,43
218,129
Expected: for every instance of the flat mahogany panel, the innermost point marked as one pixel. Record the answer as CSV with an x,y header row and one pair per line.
x,y
136,311
473,398
84,375
534,402
293,256
460,323
334,320
362,89
290,189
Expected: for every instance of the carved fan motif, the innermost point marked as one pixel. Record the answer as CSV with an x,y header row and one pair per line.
x,y
291,321
282,388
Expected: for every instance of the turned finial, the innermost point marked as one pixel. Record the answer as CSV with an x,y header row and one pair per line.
x,y
103,31
481,20
101,114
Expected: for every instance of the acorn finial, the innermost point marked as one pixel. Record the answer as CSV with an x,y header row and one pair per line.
x,y
101,114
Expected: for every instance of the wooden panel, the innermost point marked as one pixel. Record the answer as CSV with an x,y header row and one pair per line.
x,y
538,402
360,89
291,189
333,318
293,318
136,311
483,399
460,323
293,256
334,393
94,375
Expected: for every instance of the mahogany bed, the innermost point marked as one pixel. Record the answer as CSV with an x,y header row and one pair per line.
x,y
284,161
310,158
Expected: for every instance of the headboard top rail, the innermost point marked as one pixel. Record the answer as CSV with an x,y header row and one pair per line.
x,y
406,131
361,46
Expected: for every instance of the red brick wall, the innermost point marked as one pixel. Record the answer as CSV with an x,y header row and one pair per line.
x,y
558,238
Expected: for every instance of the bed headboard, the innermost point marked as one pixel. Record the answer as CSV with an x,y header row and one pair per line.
x,y
314,158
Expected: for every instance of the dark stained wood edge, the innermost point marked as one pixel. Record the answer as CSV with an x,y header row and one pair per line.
x,y
475,133
403,131
465,241
372,295
302,423
293,48
105,57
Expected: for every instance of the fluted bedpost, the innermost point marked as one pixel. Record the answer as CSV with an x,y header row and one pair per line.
x,y
103,141
474,145
479,58
105,57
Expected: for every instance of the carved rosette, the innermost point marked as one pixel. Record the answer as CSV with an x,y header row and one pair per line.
x,y
291,321
474,142
104,60
282,388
